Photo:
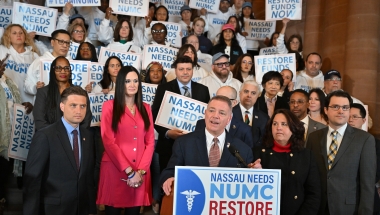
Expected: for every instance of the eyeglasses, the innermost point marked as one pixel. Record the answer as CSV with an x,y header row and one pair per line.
x,y
249,62
334,79
85,49
78,32
220,65
158,31
354,117
337,107
61,42
59,68
298,102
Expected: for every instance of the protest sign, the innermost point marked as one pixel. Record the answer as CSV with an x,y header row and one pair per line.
x,y
217,190
96,72
180,112
73,50
130,7
41,20
205,61
259,29
278,62
163,54
75,3
148,92
22,133
5,16
280,9
96,105
174,8
268,51
212,6
156,2
80,72
173,35
127,58
1,32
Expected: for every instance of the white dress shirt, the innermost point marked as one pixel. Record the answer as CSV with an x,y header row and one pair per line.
x,y
339,138
210,141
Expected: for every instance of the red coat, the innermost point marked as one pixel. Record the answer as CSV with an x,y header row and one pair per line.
x,y
132,146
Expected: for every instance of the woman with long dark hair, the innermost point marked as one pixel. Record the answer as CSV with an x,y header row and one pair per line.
x,y
316,108
123,39
244,69
128,138
110,72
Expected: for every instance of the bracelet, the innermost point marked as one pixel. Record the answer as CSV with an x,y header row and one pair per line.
x,y
132,174
141,171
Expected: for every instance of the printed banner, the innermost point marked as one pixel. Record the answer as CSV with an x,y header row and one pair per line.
x,y
226,190
180,112
212,6
268,51
96,105
280,9
96,72
73,50
128,58
174,8
163,54
205,61
148,92
5,16
75,3
130,7
22,133
259,29
80,72
41,20
173,35
278,62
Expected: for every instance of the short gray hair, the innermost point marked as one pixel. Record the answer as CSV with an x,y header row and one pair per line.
x,y
251,82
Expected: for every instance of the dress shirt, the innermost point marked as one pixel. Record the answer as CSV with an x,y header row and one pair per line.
x,y
242,108
339,138
210,141
69,130
183,90
305,123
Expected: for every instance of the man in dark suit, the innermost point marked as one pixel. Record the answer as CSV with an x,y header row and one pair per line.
x,y
183,86
346,159
59,172
299,103
208,147
236,127
245,111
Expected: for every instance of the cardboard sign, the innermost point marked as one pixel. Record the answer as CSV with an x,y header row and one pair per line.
x,y
96,72
22,133
5,16
280,9
180,112
80,72
41,20
226,190
173,35
163,54
148,92
75,3
127,58
205,61
212,6
259,29
96,105
174,8
130,7
268,51
73,50
278,62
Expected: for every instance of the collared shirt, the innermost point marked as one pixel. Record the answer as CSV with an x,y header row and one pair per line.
x,y
242,108
339,138
305,124
183,90
69,130
210,141
267,99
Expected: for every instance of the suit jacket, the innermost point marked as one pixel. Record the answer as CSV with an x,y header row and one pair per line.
x,y
348,187
164,145
281,103
377,198
237,129
191,150
259,120
52,182
313,126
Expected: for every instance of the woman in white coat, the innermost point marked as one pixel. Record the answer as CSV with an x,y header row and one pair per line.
x,y
123,38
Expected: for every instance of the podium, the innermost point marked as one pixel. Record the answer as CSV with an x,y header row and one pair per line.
x,y
167,204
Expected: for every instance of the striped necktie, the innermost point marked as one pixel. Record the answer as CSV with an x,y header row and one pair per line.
x,y
333,149
246,117
186,93
214,155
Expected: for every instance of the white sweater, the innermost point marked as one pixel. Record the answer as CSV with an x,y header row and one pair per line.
x,y
214,83
305,82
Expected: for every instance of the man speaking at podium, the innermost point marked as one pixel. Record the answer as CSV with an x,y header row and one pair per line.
x,y
208,147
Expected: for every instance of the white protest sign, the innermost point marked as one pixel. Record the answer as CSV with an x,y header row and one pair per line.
x,y
80,72
212,6
73,50
127,58
268,51
96,72
41,20
75,3
148,92
1,32
174,8
22,133
280,9
163,54
130,7
173,35
220,190
278,62
5,16
259,29
180,112
96,105
205,61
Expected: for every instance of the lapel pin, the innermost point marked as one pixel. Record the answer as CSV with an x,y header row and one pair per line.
x,y
256,117
315,128
233,126
84,139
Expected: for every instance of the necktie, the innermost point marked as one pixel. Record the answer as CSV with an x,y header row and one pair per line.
x,y
187,93
214,155
76,148
333,149
246,117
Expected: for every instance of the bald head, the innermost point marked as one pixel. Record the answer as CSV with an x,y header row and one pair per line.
x,y
228,92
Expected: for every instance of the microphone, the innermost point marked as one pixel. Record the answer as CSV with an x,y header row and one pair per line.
x,y
235,153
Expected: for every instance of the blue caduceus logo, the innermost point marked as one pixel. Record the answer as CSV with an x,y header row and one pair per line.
x,y
190,195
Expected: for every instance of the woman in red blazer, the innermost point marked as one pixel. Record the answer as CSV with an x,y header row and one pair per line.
x,y
128,137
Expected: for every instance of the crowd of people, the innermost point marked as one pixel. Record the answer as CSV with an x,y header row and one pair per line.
x,y
310,128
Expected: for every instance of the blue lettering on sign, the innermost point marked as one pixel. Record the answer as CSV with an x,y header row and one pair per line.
x,y
204,5
217,21
75,2
219,191
97,21
129,9
17,67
